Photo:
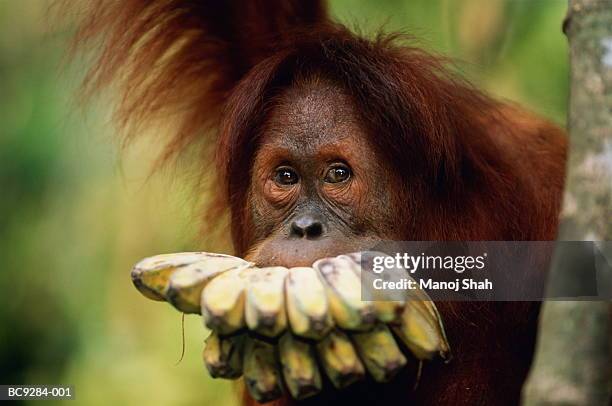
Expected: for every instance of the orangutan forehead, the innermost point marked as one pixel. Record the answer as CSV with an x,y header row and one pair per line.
x,y
310,115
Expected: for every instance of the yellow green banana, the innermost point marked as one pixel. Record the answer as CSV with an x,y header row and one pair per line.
x,y
261,370
297,305
307,305
299,365
344,294
411,313
186,284
222,301
339,359
265,301
379,352
421,331
388,304
223,356
150,275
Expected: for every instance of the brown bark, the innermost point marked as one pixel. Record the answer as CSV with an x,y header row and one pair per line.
x,y
573,355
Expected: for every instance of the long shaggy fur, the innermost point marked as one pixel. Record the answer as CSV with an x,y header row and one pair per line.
x,y
180,59
469,167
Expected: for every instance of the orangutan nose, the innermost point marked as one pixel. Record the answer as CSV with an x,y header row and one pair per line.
x,y
306,226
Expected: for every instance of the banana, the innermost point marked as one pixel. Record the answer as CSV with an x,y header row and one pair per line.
x,y
421,331
421,324
260,367
445,351
344,294
150,275
411,313
265,301
186,284
232,294
223,356
379,352
299,366
388,304
307,305
339,359
388,311
222,301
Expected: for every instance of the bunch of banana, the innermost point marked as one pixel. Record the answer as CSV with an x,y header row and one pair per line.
x,y
282,328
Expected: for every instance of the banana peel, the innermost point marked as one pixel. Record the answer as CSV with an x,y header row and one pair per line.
x,y
283,329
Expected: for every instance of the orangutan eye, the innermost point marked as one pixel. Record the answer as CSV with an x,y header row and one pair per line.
x,y
337,173
285,175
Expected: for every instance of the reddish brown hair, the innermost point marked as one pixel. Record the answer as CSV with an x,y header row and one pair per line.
x,y
215,67
433,126
467,166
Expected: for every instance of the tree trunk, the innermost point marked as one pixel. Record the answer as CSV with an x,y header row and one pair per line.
x,y
573,356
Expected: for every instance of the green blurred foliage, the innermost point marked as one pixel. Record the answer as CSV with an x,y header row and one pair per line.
x,y
76,212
